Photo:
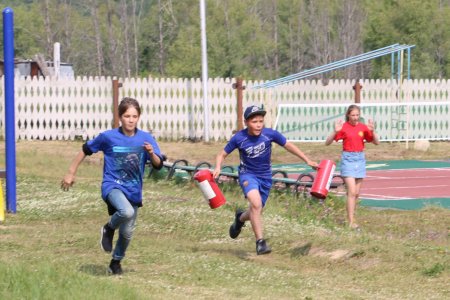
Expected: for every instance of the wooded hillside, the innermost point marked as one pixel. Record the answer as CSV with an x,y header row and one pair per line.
x,y
257,39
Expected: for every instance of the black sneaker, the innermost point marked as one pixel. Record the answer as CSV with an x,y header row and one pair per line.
x,y
262,248
235,228
106,238
114,267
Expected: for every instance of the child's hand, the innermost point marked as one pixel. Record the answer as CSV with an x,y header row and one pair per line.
x,y
338,125
216,172
371,125
67,182
148,147
313,164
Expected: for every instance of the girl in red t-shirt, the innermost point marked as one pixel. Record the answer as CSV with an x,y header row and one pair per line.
x,y
353,161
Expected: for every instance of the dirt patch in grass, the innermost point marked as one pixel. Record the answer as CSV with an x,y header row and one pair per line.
x,y
309,249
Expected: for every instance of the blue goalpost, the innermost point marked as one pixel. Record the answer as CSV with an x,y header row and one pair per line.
x,y
10,135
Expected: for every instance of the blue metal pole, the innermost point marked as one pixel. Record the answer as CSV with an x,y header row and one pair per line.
x,y
324,68
338,64
319,70
10,124
392,65
409,61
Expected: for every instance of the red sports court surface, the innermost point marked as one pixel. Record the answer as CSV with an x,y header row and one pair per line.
x,y
408,184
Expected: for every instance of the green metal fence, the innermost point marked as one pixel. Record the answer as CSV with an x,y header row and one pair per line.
x,y
393,121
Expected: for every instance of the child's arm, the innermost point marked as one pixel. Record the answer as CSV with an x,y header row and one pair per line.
x,y
337,127
154,158
297,152
219,160
69,178
330,138
371,127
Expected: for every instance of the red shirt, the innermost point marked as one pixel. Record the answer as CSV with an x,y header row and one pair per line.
x,y
353,136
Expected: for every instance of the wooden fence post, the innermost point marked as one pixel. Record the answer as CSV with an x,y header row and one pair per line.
x,y
357,88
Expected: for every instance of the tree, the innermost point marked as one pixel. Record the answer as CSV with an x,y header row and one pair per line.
x,y
420,23
159,30
98,40
238,42
350,19
256,39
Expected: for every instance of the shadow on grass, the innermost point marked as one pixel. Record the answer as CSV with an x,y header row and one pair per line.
x,y
242,254
95,270
301,251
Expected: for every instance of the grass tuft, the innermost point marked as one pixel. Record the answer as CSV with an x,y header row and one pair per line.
x,y
434,271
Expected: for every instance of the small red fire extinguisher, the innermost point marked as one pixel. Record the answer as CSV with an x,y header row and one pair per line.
x,y
209,188
323,179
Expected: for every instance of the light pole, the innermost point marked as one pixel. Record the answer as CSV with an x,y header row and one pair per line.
x,y
204,72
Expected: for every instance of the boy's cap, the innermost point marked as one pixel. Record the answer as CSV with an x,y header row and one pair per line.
x,y
253,111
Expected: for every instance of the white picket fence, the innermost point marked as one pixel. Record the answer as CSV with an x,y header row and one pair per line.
x,y
64,109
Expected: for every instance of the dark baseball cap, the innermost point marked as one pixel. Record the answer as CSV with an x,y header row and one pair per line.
x,y
253,111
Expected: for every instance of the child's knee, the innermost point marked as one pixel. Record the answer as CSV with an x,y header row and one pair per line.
x,y
127,213
127,233
256,206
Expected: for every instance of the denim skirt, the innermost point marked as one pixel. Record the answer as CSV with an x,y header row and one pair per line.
x,y
353,164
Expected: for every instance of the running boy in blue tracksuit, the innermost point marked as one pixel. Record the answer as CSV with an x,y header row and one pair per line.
x,y
255,170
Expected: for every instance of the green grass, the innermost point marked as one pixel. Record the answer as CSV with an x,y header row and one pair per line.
x,y
47,280
181,248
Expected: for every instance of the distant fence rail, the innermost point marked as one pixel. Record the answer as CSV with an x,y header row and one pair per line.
x,y
64,109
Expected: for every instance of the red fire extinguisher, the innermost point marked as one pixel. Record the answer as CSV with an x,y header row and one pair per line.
x,y
323,179
209,188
